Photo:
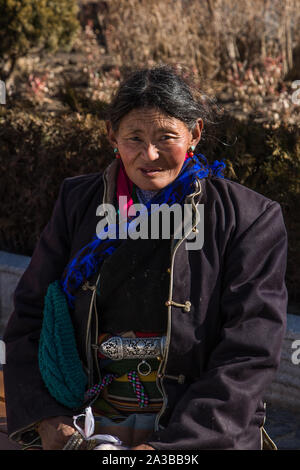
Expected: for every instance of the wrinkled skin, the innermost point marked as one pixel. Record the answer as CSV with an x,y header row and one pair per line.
x,y
55,432
147,139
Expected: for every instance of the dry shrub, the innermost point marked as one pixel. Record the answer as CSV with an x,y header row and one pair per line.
x,y
37,152
208,36
147,32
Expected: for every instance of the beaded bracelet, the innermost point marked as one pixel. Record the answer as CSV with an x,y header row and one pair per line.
x,y
74,442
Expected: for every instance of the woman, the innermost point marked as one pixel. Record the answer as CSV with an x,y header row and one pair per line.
x,y
215,312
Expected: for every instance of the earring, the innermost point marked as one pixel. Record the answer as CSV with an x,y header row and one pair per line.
x,y
190,151
116,151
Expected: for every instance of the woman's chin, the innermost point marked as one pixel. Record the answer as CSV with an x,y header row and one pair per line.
x,y
153,182
153,186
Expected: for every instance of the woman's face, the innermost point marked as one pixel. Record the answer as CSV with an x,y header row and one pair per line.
x,y
153,146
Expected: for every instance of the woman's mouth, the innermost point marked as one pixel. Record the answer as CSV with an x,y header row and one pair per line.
x,y
151,171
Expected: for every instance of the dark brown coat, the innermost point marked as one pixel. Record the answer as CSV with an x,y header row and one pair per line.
x,y
223,353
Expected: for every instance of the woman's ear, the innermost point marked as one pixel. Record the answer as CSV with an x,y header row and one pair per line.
x,y
196,132
111,134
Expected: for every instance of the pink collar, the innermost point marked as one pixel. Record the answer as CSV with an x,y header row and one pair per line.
x,y
124,188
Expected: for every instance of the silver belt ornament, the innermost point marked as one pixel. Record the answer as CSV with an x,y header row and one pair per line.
x,y
118,348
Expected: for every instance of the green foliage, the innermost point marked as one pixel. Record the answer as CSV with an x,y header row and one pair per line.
x,y
42,24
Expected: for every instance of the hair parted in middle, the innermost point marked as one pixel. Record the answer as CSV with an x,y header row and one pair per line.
x,y
160,87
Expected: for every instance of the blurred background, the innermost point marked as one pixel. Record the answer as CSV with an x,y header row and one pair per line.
x,y
61,61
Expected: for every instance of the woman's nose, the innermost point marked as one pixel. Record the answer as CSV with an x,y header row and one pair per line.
x,y
152,152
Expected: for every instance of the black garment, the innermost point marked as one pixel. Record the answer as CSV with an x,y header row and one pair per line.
x,y
138,304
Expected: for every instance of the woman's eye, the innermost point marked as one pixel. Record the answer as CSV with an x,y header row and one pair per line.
x,y
135,139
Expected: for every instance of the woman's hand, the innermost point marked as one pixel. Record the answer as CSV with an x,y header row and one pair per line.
x,y
55,432
142,447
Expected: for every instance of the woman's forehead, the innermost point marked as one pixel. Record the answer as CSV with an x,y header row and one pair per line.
x,y
141,119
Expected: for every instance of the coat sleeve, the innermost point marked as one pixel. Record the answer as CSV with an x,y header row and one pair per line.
x,y
27,399
217,408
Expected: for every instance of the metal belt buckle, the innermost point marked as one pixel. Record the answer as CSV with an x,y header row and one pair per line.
x,y
118,348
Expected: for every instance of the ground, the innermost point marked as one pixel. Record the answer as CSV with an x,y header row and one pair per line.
x,y
283,426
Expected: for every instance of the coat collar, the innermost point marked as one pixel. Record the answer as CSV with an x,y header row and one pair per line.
x,y
110,176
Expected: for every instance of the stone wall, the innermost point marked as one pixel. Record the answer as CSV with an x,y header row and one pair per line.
x,y
285,389
11,269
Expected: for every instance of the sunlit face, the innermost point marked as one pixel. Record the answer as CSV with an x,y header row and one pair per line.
x,y
153,146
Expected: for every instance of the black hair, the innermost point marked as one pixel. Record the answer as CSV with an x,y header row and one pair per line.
x,y
160,87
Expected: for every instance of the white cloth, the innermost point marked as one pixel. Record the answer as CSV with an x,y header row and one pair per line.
x,y
105,441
